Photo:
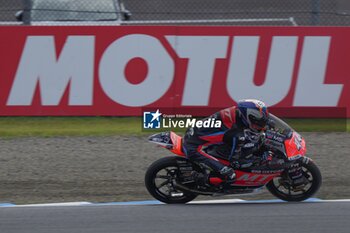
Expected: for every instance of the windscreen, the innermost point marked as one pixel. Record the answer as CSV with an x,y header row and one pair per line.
x,y
73,10
276,124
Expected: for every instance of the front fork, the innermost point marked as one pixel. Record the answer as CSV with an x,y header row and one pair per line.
x,y
295,172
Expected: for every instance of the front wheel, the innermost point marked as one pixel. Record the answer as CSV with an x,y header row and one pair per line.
x,y
282,188
159,181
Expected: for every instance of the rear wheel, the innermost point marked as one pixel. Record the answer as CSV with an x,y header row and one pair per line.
x,y
159,181
282,188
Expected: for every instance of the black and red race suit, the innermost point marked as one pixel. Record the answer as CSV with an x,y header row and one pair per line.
x,y
231,134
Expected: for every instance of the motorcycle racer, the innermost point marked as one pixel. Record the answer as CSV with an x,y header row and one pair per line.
x,y
241,131
272,156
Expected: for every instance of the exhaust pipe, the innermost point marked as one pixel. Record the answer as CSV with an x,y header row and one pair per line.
x,y
185,189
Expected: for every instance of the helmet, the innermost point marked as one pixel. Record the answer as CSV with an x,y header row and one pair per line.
x,y
254,114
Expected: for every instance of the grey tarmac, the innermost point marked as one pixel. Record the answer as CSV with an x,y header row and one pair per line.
x,y
208,218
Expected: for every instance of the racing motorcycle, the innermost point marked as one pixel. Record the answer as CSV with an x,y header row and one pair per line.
x,y
282,168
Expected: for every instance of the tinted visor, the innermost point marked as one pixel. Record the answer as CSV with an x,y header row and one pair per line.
x,y
258,123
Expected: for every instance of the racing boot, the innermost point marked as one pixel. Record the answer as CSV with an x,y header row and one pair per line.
x,y
229,174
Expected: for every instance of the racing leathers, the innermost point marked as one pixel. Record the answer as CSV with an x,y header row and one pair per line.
x,y
232,134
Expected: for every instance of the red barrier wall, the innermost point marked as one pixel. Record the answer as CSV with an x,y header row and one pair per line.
x,y
115,71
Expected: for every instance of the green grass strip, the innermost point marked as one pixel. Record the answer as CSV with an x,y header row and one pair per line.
x,y
69,126
319,125
106,126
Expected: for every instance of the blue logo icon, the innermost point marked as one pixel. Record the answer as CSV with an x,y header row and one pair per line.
x,y
151,120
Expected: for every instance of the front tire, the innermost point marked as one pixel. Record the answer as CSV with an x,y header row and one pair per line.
x,y
279,189
159,182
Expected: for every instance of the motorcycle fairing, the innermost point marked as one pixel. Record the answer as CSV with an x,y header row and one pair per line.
x,y
177,144
162,139
173,142
168,140
295,147
253,179
248,179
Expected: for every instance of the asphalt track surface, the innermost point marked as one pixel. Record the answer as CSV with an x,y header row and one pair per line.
x,y
248,217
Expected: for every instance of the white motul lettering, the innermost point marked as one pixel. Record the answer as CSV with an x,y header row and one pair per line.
x,y
311,89
202,52
116,57
39,64
278,80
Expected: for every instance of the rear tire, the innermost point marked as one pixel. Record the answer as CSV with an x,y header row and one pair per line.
x,y
172,195
309,166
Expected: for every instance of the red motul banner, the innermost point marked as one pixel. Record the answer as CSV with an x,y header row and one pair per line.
x,y
116,71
